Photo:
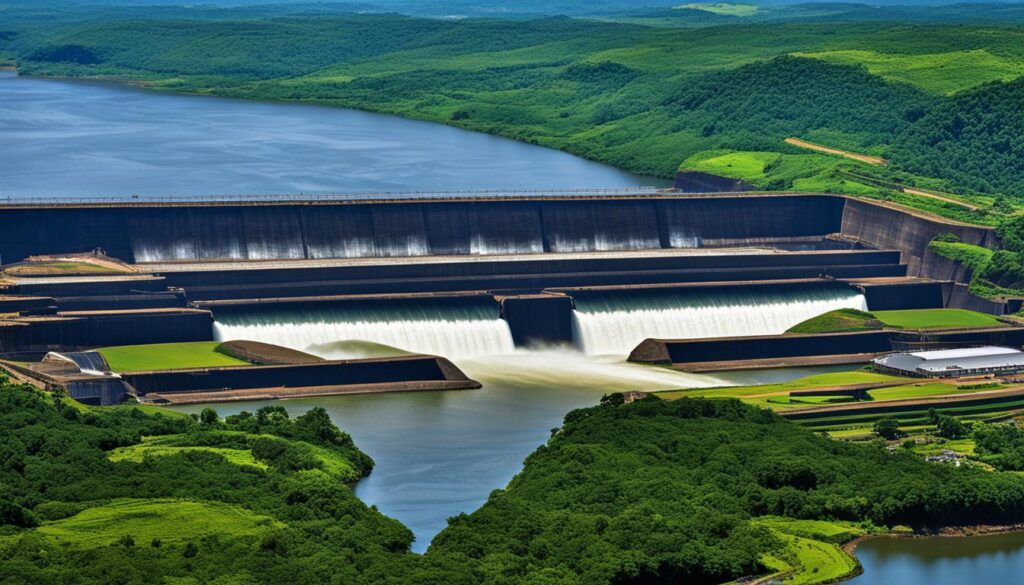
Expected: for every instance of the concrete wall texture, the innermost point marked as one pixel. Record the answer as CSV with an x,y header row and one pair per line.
x,y
292,231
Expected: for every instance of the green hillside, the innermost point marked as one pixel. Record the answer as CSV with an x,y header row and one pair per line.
x,y
644,98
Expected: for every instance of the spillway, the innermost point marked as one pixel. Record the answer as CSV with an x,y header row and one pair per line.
x,y
604,323
454,331
614,323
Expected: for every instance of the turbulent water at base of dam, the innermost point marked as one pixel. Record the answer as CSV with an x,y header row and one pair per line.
x,y
614,324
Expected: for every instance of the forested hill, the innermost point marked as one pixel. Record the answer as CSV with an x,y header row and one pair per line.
x,y
643,91
982,129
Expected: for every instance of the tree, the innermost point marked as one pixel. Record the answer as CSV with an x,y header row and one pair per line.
x,y
209,417
888,428
190,550
950,427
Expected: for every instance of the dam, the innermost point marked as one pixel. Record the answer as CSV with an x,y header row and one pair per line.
x,y
468,274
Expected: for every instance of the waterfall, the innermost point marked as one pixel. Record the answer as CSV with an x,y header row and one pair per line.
x,y
453,331
615,323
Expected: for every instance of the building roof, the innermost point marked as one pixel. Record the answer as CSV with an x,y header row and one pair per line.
x,y
943,354
972,358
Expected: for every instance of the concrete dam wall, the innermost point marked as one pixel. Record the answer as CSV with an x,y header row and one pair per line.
x,y
168,232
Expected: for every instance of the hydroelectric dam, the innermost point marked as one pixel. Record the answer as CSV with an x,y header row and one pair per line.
x,y
466,275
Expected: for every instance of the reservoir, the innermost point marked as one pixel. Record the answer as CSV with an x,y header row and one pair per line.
x,y
997,558
93,139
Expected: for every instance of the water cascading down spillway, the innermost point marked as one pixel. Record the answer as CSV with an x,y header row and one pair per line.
x,y
615,323
603,323
453,330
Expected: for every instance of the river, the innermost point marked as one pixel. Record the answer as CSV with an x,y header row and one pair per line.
x,y
90,139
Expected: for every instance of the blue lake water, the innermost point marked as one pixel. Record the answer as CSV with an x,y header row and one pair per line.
x,y
85,139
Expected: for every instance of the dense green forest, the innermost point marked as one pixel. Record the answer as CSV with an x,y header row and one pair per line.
x,y
700,491
642,90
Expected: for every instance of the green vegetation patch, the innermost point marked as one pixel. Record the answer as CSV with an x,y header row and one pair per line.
x,y
167,356
924,390
975,257
836,531
936,319
764,391
838,320
167,446
723,8
169,520
806,561
943,73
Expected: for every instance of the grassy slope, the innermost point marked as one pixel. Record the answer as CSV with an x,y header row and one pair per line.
x,y
156,448
836,321
165,356
170,520
845,320
940,72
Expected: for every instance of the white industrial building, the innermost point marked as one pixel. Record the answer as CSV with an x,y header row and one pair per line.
x,y
954,363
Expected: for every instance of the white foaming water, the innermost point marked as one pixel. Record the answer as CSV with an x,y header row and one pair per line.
x,y
557,368
614,324
450,331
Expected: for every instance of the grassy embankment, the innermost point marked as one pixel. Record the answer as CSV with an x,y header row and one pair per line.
x,y
61,269
779,396
989,268
847,320
167,356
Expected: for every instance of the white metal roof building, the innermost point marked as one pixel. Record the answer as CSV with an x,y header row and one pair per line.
x,y
953,363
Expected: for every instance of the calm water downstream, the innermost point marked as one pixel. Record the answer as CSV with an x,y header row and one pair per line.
x,y
74,138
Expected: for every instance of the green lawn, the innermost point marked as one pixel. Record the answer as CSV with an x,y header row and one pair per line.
x,y
936,319
169,520
167,356
925,390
